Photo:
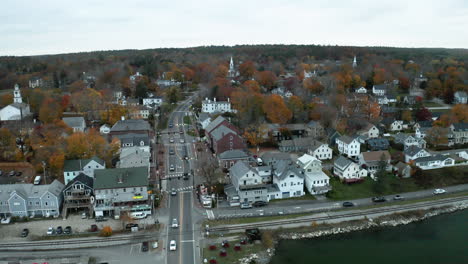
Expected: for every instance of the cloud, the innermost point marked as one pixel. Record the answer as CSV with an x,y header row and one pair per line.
x,y
56,26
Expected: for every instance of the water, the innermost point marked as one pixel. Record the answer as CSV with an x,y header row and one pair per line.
x,y
441,239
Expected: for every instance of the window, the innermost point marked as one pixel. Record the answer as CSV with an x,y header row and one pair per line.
x,y
46,203
125,190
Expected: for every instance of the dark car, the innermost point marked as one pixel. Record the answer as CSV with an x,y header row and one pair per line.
x,y
348,204
67,230
25,232
186,176
259,203
253,234
100,219
59,230
379,199
130,225
12,173
144,246
19,173
93,228
170,125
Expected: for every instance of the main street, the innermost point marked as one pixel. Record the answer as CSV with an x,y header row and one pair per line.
x,y
178,145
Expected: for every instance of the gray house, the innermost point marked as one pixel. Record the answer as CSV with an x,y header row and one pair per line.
x,y
78,194
30,200
77,123
246,184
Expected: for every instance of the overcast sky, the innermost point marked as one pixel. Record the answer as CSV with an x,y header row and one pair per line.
x,y
60,26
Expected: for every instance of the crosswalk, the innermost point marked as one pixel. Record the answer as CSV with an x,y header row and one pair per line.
x,y
210,214
174,175
182,189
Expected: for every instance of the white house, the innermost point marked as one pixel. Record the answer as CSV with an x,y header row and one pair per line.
x,y
77,123
204,120
369,131
371,159
152,102
434,162
246,184
414,152
135,77
348,171
104,129
361,90
460,97
17,110
320,150
289,180
35,82
73,168
214,106
317,182
379,89
408,140
349,146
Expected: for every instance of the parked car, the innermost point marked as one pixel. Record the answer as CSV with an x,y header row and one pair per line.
x,y
144,246
182,140
259,203
155,244
19,173
100,219
84,215
130,225
171,168
245,205
348,204
175,223
50,231
439,191
12,173
173,192
67,230
398,197
25,232
1,173
171,140
379,199
171,152
59,230
94,228
186,176
170,125
172,245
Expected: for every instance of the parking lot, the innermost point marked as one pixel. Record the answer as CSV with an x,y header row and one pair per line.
x,y
16,172
39,227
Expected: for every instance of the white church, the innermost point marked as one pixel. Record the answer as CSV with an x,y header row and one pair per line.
x,y
17,110
232,73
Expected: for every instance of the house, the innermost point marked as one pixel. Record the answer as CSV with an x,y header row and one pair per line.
x,y
17,110
361,90
391,124
134,157
121,190
220,121
140,112
265,172
214,106
320,150
104,129
78,194
371,160
296,144
135,77
72,168
402,169
409,99
280,132
204,120
382,100
131,140
137,126
35,82
270,158
228,158
246,183
460,133
408,140
421,132
29,200
348,171
315,129
434,162
379,89
332,135
375,144
460,97
414,152
224,138
349,146
316,181
77,123
369,131
422,124
152,101
289,179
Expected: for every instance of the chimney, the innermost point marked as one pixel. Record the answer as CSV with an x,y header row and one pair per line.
x,y
228,99
214,99
120,178
122,118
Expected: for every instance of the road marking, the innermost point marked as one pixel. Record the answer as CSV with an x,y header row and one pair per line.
x,y
187,241
210,214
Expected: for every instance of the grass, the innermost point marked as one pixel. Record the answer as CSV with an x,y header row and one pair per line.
x,y
432,104
187,120
306,196
232,255
247,220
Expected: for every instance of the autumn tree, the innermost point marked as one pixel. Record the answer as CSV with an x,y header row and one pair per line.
x,y
266,79
85,145
173,94
50,111
296,106
406,116
221,71
247,69
7,144
460,112
252,85
114,113
437,136
276,110
256,135
6,99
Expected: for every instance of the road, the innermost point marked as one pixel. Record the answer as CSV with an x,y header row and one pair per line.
x,y
179,161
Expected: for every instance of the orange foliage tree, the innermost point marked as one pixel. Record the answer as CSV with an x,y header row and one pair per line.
x,y
276,110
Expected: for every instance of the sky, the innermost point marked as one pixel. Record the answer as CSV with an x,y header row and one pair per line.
x,y
31,27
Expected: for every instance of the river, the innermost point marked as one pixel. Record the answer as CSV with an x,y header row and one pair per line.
x,y
441,239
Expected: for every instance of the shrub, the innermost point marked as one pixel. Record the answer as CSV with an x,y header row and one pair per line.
x,y
268,239
106,231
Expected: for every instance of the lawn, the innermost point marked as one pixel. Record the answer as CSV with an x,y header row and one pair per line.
x,y
432,104
306,196
187,120
232,255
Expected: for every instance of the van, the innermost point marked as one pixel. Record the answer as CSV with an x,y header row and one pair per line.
x,y
138,215
37,180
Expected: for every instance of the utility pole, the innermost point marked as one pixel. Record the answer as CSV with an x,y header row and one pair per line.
x,y
44,171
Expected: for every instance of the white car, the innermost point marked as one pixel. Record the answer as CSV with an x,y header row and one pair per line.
x,y
171,168
182,140
50,231
175,224
172,245
439,191
171,140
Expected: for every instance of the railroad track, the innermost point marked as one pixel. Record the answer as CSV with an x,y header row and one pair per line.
x,y
88,240
354,214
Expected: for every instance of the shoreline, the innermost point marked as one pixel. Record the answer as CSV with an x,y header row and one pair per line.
x,y
329,229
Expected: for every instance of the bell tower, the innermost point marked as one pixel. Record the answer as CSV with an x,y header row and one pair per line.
x,y
17,95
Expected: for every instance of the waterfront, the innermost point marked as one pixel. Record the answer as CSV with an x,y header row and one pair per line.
x,y
441,239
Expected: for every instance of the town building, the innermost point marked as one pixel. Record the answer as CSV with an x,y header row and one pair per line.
x,y
246,184
153,101
17,110
349,146
289,179
77,123
137,126
228,158
78,194
460,133
35,82
204,120
29,200
434,162
379,89
376,144
460,97
414,152
72,168
232,72
316,181
104,129
408,140
348,171
371,160
214,106
131,140
134,157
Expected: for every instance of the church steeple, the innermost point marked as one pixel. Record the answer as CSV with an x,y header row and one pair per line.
x,y
231,65
354,62
17,95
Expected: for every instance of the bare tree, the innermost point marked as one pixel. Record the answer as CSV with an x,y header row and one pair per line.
x,y
209,169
